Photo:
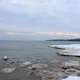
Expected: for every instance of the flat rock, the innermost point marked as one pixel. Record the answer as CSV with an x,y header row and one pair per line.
x,y
39,66
26,63
62,75
70,64
8,70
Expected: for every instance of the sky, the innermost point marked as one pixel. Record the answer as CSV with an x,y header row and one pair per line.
x,y
39,19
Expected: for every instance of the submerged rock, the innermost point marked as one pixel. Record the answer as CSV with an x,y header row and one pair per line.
x,y
70,64
71,71
8,70
26,63
62,75
39,66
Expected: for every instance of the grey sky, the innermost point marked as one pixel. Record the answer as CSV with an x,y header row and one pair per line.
x,y
39,19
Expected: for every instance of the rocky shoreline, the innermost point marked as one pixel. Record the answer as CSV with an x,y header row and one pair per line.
x,y
25,69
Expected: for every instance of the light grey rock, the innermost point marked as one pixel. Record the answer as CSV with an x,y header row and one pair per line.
x,y
62,75
26,63
39,66
70,64
8,70
5,58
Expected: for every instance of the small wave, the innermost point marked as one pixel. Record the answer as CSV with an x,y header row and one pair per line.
x,y
69,46
68,50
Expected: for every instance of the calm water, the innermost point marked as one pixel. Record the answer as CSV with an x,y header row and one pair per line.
x,y
30,49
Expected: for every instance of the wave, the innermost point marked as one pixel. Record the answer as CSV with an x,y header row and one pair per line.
x,y
69,46
69,50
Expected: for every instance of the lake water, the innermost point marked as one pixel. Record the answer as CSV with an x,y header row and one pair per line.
x,y
22,49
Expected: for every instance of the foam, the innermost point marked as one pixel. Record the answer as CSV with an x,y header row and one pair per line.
x,y
69,46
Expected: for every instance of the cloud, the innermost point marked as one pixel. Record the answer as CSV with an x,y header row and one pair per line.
x,y
40,17
47,10
66,34
11,33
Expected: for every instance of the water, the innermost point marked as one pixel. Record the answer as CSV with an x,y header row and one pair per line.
x,y
31,49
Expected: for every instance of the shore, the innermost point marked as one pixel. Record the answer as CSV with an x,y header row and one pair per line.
x,y
37,69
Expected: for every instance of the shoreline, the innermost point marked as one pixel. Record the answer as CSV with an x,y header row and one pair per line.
x,y
37,69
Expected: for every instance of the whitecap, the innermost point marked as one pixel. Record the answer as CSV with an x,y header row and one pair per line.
x,y
69,46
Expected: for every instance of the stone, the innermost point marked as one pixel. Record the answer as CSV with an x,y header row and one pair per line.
x,y
71,71
70,64
62,75
39,66
5,58
8,70
24,64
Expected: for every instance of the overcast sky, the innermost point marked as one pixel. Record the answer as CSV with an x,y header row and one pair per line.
x,y
39,19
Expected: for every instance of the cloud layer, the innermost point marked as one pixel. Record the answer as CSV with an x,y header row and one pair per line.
x,y
35,16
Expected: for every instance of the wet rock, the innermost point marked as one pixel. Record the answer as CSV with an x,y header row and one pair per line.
x,y
71,71
62,75
24,64
58,70
5,58
39,66
70,64
49,75
8,70
30,68
36,75
78,73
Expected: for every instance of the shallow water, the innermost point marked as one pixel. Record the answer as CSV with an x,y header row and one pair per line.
x,y
35,49
34,52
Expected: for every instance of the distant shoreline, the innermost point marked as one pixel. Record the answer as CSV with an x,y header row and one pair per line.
x,y
64,40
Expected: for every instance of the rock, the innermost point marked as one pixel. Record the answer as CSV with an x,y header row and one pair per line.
x,y
39,66
78,73
26,63
70,64
49,75
30,68
5,58
62,75
71,71
8,70
36,75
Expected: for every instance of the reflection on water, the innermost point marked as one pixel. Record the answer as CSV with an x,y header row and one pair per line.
x,y
72,78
